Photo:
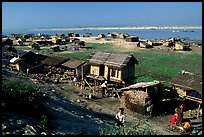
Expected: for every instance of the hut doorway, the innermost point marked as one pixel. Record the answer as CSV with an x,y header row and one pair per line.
x,y
101,70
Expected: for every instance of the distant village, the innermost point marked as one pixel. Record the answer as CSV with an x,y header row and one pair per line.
x,y
117,69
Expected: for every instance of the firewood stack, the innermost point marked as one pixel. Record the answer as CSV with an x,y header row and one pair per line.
x,y
134,100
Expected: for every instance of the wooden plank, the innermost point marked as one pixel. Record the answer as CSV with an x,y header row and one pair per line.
x,y
194,99
89,86
117,93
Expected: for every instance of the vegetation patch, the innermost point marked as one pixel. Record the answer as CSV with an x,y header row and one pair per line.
x,y
164,66
137,128
21,96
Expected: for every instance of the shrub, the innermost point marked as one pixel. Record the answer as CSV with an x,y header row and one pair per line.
x,y
43,123
134,129
20,95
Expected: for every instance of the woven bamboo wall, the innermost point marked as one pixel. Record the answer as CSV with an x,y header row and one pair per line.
x,y
134,100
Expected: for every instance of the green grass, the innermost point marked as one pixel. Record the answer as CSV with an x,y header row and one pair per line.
x,y
153,64
93,48
136,128
164,66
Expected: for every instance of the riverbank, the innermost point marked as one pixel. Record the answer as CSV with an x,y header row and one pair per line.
x,y
120,27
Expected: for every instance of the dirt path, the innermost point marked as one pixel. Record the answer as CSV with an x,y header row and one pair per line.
x,y
94,112
70,113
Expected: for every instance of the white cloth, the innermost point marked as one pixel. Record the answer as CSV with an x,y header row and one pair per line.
x,y
75,79
103,85
120,117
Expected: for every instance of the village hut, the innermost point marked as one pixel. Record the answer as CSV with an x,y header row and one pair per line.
x,y
123,35
101,35
136,96
28,60
17,36
143,44
167,43
56,40
54,61
73,34
112,35
154,42
189,87
35,45
8,51
132,39
113,67
87,34
74,67
44,42
7,41
13,63
181,46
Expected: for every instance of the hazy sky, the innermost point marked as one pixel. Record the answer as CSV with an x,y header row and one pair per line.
x,y
23,15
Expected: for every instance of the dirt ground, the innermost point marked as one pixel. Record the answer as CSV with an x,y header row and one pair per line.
x,y
70,113
109,106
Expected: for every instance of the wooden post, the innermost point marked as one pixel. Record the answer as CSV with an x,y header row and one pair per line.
x,y
198,111
82,71
82,78
89,86
95,84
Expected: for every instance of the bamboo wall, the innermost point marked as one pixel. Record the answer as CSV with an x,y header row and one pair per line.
x,y
106,72
94,70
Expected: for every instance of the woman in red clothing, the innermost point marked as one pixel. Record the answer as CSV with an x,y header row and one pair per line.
x,y
174,118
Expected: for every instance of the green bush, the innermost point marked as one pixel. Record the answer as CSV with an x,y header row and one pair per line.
x,y
134,129
20,95
43,123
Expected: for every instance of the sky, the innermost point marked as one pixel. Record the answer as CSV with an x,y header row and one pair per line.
x,y
29,15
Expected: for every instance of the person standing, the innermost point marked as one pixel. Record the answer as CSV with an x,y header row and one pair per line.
x,y
149,107
104,88
120,117
174,118
180,114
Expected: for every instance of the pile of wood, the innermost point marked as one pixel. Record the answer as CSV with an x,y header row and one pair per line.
x,y
134,100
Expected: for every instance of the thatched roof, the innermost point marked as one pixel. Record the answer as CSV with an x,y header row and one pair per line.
x,y
99,58
112,59
140,85
188,81
73,63
32,57
54,61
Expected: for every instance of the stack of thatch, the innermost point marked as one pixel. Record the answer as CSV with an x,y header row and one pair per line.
x,y
134,100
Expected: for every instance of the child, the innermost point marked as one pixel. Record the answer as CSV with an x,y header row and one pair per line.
x,y
174,117
120,117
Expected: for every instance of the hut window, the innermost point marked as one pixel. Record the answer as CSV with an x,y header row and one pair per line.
x,y
113,73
